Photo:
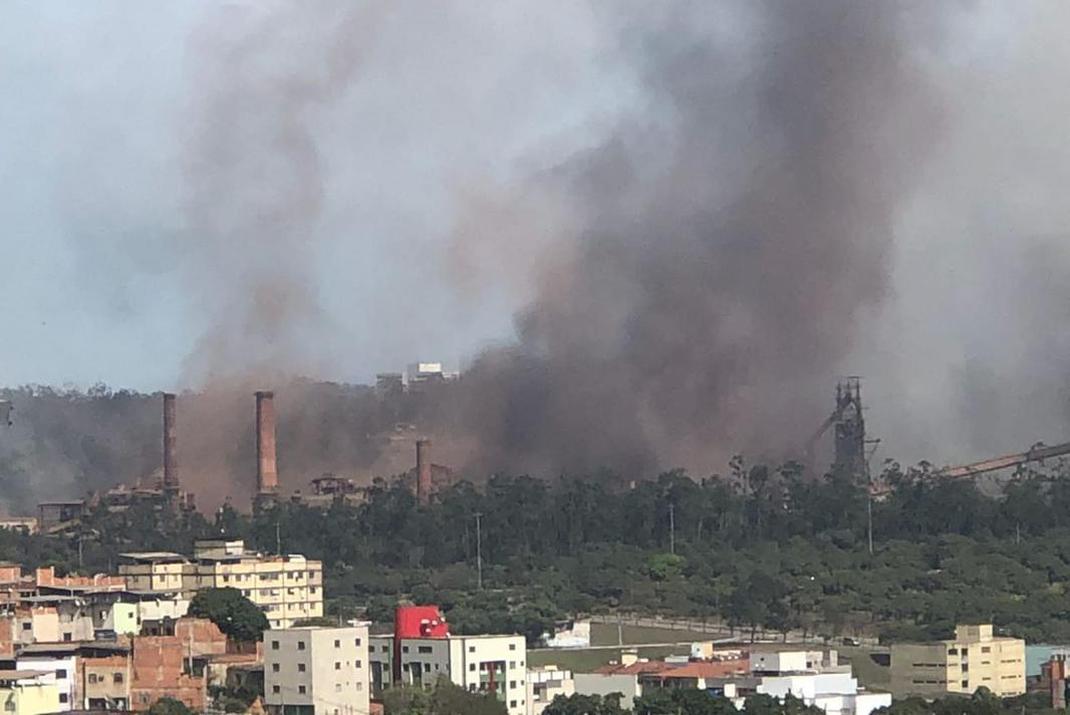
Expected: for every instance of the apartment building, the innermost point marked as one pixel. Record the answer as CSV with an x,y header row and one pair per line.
x,y
62,666
974,658
288,588
317,671
485,663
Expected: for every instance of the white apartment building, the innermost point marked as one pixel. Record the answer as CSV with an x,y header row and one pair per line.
x,y
288,588
544,684
317,671
487,664
64,669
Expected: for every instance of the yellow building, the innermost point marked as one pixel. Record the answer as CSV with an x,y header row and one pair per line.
x,y
973,659
29,692
288,588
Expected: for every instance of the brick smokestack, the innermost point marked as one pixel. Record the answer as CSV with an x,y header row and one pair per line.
x,y
267,473
170,457
423,471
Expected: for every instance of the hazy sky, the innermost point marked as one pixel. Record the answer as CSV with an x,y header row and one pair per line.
x,y
108,276
94,140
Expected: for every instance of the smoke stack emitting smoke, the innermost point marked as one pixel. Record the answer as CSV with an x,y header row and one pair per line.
x,y
704,276
267,473
170,455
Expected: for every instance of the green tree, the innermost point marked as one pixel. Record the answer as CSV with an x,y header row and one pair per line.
x,y
233,613
169,706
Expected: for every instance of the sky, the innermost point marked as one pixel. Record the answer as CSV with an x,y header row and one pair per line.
x,y
95,185
125,253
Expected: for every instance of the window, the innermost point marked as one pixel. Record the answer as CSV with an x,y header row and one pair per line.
x,y
275,689
427,667
952,651
472,667
512,703
360,686
986,649
512,683
61,673
357,663
404,649
27,626
424,649
63,697
300,645
116,678
300,667
512,664
301,689
337,665
337,687
965,683
274,645
92,678
356,642
471,649
512,646
338,644
67,637
274,667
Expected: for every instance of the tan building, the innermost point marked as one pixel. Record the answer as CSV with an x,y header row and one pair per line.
x,y
317,671
973,659
288,588
29,692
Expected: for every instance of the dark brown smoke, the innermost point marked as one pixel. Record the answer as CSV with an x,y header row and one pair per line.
x,y
727,244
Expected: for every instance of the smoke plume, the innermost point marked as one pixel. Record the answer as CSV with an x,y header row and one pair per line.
x,y
726,241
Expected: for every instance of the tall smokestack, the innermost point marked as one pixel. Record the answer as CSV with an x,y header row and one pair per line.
x,y
423,471
267,474
170,458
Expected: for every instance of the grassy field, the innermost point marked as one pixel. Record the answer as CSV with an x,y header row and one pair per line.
x,y
604,634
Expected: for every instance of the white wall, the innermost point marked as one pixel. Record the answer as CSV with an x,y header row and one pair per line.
x,y
599,684
65,683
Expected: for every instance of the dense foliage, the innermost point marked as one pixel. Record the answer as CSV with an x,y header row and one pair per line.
x,y
759,548
233,613
677,702
444,699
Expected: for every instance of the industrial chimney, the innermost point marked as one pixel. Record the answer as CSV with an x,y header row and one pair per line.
x,y
170,458
423,471
267,474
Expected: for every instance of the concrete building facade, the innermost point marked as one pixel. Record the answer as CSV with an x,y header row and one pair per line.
x,y
973,659
288,588
486,663
317,671
28,692
546,683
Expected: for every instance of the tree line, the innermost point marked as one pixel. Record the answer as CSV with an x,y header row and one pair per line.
x,y
760,548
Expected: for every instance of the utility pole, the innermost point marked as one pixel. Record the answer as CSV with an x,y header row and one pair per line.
x,y
672,528
479,551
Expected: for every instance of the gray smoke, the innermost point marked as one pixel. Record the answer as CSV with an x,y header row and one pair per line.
x,y
727,241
